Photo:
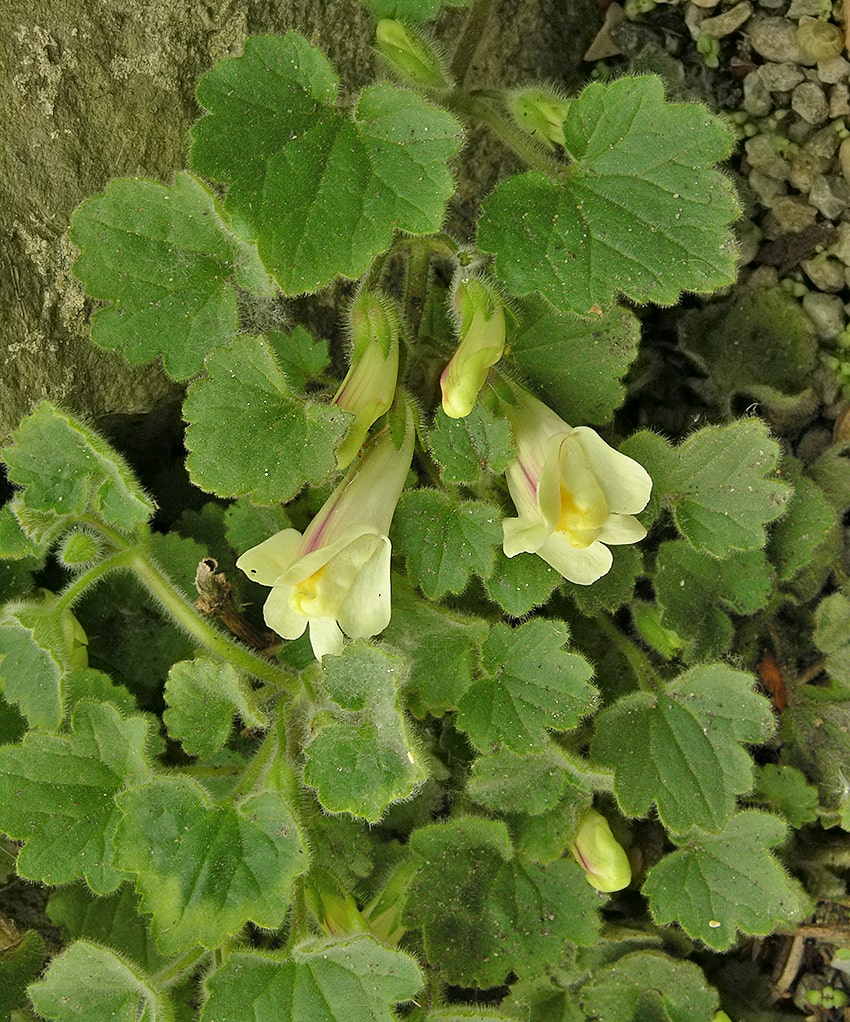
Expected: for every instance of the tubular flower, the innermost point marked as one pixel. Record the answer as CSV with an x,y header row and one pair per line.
x,y
336,577
605,864
481,326
369,386
573,493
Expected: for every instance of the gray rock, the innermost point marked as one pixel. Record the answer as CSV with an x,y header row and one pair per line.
x,y
826,313
830,195
768,189
801,8
780,77
809,102
832,71
840,248
844,159
776,39
728,22
839,100
824,142
827,274
762,155
805,167
788,216
757,99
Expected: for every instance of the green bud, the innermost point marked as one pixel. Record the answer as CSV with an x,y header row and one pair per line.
x,y
335,912
78,549
541,113
369,387
595,849
410,56
480,317
384,912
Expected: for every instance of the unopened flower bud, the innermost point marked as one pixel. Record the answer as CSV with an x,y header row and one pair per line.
x,y
541,113
605,864
369,387
336,912
480,315
409,55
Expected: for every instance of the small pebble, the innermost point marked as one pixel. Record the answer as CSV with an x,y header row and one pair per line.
x,y
827,314
830,195
728,22
844,159
805,167
788,216
810,103
803,8
780,77
832,71
768,189
762,155
757,101
839,100
776,39
824,142
840,248
825,273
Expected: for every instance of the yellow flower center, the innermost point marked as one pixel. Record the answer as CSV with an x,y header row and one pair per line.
x,y
581,522
306,596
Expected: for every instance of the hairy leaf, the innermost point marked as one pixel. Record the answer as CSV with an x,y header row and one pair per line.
x,y
162,257
204,870
528,684
717,884
350,979
275,440
57,795
485,911
681,748
629,215
322,192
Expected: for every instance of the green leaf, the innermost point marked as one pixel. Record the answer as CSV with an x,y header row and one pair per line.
x,y
33,661
20,963
504,782
528,685
445,540
203,696
697,593
162,257
301,357
715,483
56,795
15,545
577,366
617,587
795,537
717,884
648,985
114,921
682,748
352,979
521,583
67,471
441,668
486,912
364,759
832,635
785,788
412,11
275,440
543,838
321,191
757,344
816,740
640,211
93,983
466,448
204,870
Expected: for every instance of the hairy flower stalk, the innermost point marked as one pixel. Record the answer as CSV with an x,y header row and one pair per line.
x,y
336,577
369,386
480,319
573,493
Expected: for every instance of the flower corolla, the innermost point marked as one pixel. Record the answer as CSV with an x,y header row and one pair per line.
x,y
336,577
480,316
573,493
